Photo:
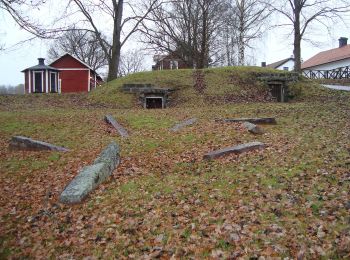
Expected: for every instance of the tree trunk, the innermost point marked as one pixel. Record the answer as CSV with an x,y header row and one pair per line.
x,y
297,37
114,62
116,45
241,35
241,49
203,53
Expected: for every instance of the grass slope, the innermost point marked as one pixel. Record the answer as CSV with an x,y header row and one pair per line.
x,y
290,200
237,83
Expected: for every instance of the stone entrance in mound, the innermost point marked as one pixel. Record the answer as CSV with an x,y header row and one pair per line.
x,y
278,91
278,84
150,97
154,102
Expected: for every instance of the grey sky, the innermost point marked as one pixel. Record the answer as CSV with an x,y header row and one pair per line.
x,y
274,46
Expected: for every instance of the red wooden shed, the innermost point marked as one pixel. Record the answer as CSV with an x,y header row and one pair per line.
x,y
75,75
64,75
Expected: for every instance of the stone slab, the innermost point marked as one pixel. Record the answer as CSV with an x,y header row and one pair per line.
x,y
121,130
235,149
91,176
28,144
254,129
263,120
183,124
86,180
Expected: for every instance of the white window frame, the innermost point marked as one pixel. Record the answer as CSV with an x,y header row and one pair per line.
x,y
29,82
56,81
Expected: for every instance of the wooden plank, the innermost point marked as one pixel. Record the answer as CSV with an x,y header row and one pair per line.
x,y
235,150
183,124
263,120
28,144
121,130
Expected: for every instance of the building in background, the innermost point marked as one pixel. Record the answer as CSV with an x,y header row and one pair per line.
x,y
168,62
41,78
66,74
333,63
285,64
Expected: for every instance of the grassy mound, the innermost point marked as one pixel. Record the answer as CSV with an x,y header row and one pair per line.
x,y
218,85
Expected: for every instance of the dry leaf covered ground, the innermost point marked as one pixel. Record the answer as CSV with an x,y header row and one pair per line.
x,y
290,200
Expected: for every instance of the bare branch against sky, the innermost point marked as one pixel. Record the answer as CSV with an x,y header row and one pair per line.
x,y
300,15
22,12
122,28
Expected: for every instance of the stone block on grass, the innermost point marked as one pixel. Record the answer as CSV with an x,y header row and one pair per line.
x,y
183,124
234,149
28,144
121,130
254,129
91,176
263,120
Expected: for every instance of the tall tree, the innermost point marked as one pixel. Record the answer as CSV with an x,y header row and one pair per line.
x,y
123,28
187,29
83,45
251,17
301,14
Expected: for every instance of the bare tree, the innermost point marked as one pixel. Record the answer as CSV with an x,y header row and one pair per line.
x,y
249,19
301,14
19,10
186,29
131,62
83,45
123,28
229,43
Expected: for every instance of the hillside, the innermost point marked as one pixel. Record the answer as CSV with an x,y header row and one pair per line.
x,y
217,86
290,200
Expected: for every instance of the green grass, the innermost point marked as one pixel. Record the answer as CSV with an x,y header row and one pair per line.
x,y
279,196
220,82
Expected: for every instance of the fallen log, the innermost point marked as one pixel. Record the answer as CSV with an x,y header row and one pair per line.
x,y
254,129
235,150
121,130
183,124
264,120
91,176
28,144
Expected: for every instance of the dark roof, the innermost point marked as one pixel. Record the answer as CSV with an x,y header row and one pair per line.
x,y
279,63
40,67
324,57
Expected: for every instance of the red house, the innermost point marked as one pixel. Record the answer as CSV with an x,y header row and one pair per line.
x,y
64,75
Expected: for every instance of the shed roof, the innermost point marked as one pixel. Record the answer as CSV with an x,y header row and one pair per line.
x,y
41,67
324,57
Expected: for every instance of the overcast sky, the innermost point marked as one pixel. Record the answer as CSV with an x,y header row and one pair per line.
x,y
274,46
